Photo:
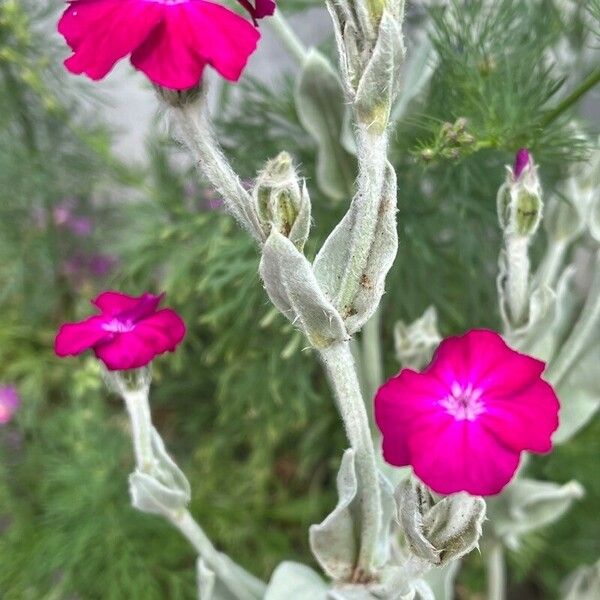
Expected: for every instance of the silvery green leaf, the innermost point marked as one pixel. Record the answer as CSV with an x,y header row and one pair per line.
x,y
388,514
563,221
320,103
416,342
151,496
416,74
582,584
531,337
293,288
441,580
333,258
380,80
526,505
206,581
579,394
165,469
439,532
594,218
334,542
293,581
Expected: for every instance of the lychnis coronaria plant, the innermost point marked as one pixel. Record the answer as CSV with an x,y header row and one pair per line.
x,y
460,413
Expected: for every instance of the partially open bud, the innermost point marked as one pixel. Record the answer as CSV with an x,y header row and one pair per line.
x,y
520,198
438,532
281,202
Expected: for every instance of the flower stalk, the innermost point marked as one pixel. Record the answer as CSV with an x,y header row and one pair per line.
x,y
339,364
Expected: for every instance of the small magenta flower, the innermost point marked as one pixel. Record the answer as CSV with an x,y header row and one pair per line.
x,y
128,333
463,422
522,160
9,403
170,41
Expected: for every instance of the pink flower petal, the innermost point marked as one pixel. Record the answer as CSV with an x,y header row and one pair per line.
x,y
259,8
191,35
101,32
461,456
75,338
112,303
160,333
526,420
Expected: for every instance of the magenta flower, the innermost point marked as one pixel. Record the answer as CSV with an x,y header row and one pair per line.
x,y
9,403
127,334
171,41
522,161
463,422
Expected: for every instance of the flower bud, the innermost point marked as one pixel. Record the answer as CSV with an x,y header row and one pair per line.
x,y
438,532
281,202
416,342
520,198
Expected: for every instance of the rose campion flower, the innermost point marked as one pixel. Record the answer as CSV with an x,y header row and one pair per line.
x,y
463,422
170,41
9,403
127,334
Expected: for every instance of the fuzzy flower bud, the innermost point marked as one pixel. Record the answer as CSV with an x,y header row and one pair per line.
x,y
439,532
520,198
281,202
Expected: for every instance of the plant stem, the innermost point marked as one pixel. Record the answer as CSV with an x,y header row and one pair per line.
x,y
286,34
371,353
588,83
339,364
200,139
250,588
138,408
496,572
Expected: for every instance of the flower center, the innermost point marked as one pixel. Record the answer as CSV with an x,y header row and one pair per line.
x,y
463,403
119,326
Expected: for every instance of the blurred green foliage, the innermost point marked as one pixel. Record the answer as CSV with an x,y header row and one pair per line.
x,y
243,406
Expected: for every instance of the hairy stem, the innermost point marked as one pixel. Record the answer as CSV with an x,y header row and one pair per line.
x,y
288,37
200,139
138,408
339,364
250,588
496,572
371,353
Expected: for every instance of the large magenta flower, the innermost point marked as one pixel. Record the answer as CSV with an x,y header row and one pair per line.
x,y
127,334
171,41
463,422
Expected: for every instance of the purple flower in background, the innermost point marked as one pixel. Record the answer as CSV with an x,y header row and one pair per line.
x,y
62,213
522,161
9,403
81,226
100,265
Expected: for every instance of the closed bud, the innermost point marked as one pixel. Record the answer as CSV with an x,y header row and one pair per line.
x,y
281,202
438,531
416,342
520,198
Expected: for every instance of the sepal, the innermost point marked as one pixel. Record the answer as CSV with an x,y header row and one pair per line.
x,y
415,343
439,532
293,288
